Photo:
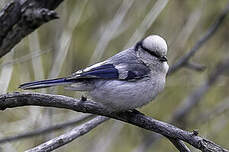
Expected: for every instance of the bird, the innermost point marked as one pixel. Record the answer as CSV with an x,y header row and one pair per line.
x,y
125,81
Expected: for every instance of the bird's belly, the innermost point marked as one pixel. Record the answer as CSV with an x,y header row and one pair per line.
x,y
122,95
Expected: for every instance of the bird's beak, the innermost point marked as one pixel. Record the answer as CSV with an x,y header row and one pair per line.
x,y
163,59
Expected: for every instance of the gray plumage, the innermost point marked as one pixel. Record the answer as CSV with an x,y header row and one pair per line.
x,y
127,80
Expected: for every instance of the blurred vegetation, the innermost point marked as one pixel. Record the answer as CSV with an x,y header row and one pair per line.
x,y
92,30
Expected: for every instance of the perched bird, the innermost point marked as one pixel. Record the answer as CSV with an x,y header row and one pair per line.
x,y
127,80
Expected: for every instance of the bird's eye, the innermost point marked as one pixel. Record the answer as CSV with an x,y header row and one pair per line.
x,y
150,52
139,44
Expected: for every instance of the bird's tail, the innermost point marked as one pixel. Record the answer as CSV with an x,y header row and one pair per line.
x,y
45,83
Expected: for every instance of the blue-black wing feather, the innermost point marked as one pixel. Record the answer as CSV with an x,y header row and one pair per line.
x,y
105,72
137,71
111,71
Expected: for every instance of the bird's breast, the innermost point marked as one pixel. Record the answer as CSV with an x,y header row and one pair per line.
x,y
123,95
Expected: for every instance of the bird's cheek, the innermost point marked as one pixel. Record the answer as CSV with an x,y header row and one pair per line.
x,y
165,66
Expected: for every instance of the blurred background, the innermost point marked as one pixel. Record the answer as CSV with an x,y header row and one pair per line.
x,y
89,31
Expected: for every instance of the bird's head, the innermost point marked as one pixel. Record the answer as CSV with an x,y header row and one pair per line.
x,y
153,50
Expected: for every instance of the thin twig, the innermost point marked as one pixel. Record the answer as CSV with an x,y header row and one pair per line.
x,y
148,20
194,98
17,99
25,58
46,130
179,145
210,32
69,136
6,74
64,41
219,109
195,66
108,34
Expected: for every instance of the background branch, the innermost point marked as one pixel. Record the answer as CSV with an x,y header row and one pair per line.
x,y
16,99
69,136
210,32
179,145
46,130
193,99
195,66
220,108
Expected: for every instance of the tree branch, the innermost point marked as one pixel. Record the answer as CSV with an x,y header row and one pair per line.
x,y
210,32
219,109
195,66
193,99
46,130
69,136
179,145
17,99
21,17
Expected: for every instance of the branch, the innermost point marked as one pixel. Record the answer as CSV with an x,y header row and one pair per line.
x,y
179,145
195,66
210,32
21,17
46,130
194,98
69,136
219,109
17,99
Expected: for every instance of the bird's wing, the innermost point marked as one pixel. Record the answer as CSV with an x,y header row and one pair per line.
x,y
108,70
